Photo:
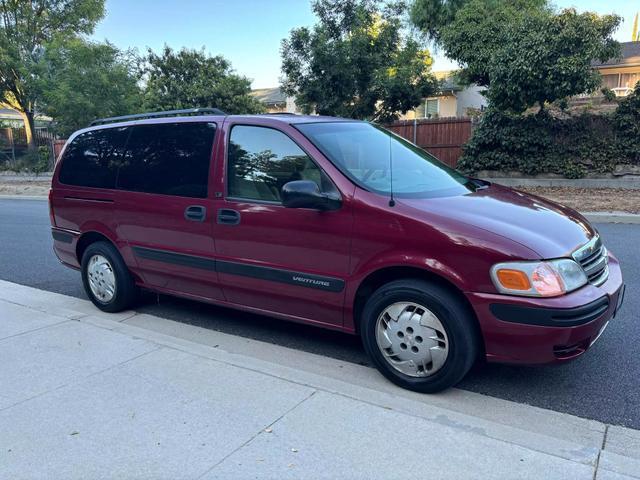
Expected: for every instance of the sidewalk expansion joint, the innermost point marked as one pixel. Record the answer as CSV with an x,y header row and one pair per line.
x,y
44,327
259,432
441,420
81,379
79,315
602,447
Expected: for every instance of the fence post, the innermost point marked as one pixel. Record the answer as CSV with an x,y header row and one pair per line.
x,y
415,130
13,147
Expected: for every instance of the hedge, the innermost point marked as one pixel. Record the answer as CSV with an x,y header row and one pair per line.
x,y
544,143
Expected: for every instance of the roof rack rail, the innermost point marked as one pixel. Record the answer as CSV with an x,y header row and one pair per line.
x,y
167,113
279,113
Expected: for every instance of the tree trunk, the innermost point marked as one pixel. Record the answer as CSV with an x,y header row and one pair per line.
x,y
29,128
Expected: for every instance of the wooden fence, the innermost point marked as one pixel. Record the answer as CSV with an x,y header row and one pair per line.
x,y
13,141
57,149
442,137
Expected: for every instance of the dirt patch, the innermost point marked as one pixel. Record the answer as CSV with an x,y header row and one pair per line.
x,y
36,187
591,199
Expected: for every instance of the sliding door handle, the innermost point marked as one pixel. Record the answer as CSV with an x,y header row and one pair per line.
x,y
227,216
195,213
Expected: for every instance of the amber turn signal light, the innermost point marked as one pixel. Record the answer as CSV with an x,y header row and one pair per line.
x,y
513,279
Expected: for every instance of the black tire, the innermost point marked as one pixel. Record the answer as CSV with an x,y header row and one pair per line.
x,y
126,291
454,315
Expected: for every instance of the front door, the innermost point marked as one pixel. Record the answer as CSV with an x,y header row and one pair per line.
x,y
290,261
164,207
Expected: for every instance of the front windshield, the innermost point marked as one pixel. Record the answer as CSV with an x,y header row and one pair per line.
x,y
363,151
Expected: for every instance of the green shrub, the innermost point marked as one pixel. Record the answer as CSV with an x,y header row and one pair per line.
x,y
626,120
609,95
33,161
541,143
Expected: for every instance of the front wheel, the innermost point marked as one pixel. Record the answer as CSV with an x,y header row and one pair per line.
x,y
106,278
419,335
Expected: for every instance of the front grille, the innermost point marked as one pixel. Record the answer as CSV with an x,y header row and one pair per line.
x,y
593,259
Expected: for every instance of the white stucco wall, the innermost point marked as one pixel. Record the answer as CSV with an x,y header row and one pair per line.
x,y
470,97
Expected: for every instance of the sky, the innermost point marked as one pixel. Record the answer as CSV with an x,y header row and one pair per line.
x,y
248,32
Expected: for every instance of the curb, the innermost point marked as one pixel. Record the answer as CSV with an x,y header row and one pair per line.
x,y
24,197
612,217
624,183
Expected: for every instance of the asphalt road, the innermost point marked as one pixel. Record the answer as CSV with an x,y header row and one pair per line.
x,y
603,384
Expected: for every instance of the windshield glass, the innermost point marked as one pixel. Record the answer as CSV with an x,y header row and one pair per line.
x,y
363,151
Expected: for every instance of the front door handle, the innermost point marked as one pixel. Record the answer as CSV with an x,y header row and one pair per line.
x,y
195,213
226,216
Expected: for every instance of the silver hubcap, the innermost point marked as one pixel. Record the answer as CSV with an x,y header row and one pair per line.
x,y
102,281
412,339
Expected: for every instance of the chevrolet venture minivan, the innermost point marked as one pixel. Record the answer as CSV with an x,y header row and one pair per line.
x,y
334,223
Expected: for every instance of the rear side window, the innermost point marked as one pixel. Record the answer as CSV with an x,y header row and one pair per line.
x,y
169,159
261,160
92,158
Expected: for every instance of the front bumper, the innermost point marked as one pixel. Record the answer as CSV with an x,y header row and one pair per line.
x,y
547,330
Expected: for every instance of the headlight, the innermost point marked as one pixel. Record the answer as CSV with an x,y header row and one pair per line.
x,y
538,279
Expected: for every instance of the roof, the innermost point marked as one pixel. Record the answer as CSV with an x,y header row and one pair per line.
x,y
293,118
287,118
11,114
270,96
630,56
448,81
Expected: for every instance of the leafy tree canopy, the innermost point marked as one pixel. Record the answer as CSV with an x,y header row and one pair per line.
x,y
431,16
26,29
358,62
82,81
522,50
191,78
547,57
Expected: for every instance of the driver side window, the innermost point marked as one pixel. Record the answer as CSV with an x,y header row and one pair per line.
x,y
261,160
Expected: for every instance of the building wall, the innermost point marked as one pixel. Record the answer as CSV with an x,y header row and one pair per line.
x,y
470,97
452,105
621,71
448,106
291,105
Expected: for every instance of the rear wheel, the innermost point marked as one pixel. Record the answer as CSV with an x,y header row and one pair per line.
x,y
106,279
419,335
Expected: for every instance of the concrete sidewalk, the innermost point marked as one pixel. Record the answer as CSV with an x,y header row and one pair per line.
x,y
89,395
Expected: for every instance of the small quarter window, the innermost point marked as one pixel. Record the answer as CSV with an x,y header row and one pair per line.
x,y
92,158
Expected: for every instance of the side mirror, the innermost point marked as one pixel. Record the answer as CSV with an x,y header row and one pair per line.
x,y
306,194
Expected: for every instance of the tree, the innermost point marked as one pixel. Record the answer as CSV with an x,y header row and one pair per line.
x,y
26,30
191,78
548,57
523,51
431,16
81,81
479,30
358,62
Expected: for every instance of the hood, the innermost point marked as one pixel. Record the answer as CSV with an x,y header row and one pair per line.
x,y
549,229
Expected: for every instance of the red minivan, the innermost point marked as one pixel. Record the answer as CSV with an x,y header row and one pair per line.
x,y
335,223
